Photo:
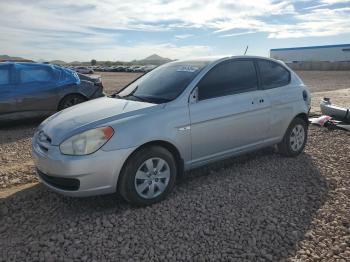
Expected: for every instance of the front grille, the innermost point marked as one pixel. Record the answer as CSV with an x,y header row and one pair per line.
x,y
43,148
44,141
69,184
42,137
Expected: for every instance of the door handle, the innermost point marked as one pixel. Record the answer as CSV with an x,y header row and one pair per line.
x,y
255,100
261,101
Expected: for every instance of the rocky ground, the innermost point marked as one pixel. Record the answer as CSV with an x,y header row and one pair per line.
x,y
15,155
258,207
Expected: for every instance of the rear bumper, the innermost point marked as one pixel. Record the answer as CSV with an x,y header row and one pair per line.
x,y
98,92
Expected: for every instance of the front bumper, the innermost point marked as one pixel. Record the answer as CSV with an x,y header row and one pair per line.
x,y
79,176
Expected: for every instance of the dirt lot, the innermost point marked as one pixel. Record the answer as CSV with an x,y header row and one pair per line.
x,y
113,82
333,84
244,208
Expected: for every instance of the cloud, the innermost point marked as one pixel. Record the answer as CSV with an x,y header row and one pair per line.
x,y
184,36
238,34
94,27
319,22
335,1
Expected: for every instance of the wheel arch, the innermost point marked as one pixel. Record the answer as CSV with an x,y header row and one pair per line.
x,y
303,116
69,94
165,144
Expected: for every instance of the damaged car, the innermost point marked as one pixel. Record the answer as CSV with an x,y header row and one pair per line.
x,y
30,90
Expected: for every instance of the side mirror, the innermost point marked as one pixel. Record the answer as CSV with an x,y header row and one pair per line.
x,y
193,96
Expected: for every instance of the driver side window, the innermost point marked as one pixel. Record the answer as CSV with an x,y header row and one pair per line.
x,y
228,78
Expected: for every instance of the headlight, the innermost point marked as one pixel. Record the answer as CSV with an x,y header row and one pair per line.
x,y
87,142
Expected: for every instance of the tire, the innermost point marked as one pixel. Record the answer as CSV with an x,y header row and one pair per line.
x,y
295,138
140,187
71,100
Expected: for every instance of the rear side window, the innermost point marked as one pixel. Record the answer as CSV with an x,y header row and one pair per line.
x,y
4,76
272,74
228,78
28,75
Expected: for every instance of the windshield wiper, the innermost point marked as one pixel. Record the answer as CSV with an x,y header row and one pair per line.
x,y
141,98
115,95
135,96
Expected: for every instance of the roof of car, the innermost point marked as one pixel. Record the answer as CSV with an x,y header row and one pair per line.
x,y
217,58
27,63
30,64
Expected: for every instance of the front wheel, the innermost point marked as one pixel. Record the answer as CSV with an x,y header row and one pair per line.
x,y
295,138
148,177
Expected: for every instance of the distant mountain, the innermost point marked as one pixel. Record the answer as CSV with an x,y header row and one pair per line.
x,y
152,60
76,63
13,58
58,62
156,57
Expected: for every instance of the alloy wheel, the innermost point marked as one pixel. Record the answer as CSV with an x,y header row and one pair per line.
x,y
297,137
152,178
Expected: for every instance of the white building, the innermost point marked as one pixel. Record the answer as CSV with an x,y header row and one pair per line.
x,y
330,53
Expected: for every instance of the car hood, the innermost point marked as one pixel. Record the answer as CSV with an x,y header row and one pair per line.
x,y
91,114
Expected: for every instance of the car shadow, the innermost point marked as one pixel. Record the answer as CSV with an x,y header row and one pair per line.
x,y
11,131
257,206
28,122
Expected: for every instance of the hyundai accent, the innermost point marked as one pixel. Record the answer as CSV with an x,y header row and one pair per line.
x,y
177,117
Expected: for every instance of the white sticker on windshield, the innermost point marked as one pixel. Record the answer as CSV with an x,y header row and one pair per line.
x,y
187,68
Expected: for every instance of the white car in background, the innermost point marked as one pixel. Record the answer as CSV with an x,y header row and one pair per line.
x,y
83,70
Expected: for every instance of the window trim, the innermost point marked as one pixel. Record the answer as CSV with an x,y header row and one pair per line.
x,y
235,93
261,87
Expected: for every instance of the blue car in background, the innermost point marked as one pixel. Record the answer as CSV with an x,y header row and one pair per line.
x,y
35,90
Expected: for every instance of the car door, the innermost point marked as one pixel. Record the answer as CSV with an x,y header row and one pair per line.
x,y
7,91
37,89
230,113
275,80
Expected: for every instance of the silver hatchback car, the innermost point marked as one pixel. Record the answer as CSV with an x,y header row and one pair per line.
x,y
181,115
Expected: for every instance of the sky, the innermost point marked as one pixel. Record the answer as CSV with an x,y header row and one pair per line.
x,y
125,30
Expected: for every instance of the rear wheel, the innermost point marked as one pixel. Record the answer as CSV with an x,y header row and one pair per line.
x,y
148,177
71,100
295,138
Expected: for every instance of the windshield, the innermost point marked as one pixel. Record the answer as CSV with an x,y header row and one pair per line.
x,y
164,83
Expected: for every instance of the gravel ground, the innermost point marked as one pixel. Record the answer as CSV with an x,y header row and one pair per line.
x,y
320,81
258,207
113,82
333,84
15,155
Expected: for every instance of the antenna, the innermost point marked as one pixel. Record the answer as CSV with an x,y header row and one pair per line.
x,y
246,49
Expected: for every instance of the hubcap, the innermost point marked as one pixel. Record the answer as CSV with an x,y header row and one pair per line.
x,y
152,178
297,137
